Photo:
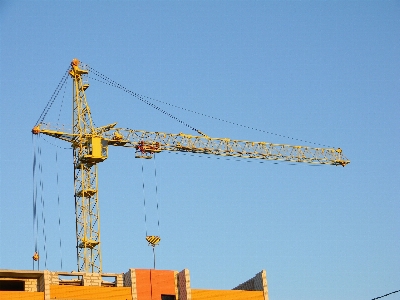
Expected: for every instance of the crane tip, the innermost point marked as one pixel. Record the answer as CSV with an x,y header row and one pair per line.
x,y
36,129
75,62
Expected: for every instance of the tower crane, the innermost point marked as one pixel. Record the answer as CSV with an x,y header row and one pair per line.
x,y
90,147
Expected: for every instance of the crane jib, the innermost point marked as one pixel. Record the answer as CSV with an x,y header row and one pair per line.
x,y
148,143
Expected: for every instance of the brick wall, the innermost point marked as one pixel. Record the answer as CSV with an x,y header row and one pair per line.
x,y
150,284
184,289
257,283
130,281
31,285
91,279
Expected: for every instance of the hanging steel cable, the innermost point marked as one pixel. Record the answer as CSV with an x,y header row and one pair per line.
x,y
38,191
113,83
146,99
41,185
53,97
58,185
35,224
59,211
155,179
153,240
144,199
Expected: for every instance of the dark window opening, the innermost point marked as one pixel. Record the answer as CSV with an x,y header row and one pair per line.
x,y
168,297
12,285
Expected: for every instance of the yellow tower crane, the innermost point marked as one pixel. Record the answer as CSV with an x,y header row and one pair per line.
x,y
90,147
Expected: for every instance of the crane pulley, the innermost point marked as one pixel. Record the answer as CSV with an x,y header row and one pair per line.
x,y
90,147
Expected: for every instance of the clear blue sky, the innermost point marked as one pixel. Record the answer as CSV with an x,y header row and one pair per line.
x,y
319,71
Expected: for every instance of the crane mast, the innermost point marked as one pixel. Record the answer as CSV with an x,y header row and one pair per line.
x,y
90,147
85,177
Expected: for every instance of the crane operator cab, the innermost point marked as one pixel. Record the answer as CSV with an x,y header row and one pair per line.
x,y
96,151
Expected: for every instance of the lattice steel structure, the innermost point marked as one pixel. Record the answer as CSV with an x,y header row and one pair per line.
x,y
85,178
88,150
90,147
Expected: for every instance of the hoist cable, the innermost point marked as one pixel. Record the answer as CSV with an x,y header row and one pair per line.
x,y
59,210
53,97
41,184
138,96
155,179
144,201
34,200
142,98
154,257
34,196
37,166
58,185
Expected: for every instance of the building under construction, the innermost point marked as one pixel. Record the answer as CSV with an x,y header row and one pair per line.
x,y
135,284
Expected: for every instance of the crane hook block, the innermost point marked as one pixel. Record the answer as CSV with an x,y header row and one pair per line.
x,y
153,240
35,256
